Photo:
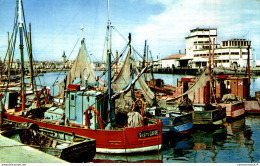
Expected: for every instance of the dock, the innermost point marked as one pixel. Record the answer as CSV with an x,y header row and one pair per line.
x,y
15,152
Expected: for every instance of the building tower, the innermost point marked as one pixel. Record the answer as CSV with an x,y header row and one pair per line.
x,y
63,58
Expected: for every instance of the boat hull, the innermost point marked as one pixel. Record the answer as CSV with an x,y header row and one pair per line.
x,y
210,117
127,140
234,109
178,124
80,151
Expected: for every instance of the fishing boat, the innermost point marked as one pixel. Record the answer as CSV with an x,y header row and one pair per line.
x,y
192,95
158,85
90,111
240,99
173,120
59,144
227,95
207,90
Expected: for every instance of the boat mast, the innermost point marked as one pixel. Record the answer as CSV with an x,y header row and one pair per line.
x,y
248,65
211,89
9,58
21,53
132,65
30,58
143,65
111,113
210,79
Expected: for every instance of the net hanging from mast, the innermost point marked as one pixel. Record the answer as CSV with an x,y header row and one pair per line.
x,y
81,69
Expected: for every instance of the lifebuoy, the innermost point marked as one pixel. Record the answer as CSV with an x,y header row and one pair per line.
x,y
98,116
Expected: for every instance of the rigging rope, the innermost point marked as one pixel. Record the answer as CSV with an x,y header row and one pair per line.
x,y
66,61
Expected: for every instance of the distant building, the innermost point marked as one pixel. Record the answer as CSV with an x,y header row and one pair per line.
x,y
172,61
231,53
63,58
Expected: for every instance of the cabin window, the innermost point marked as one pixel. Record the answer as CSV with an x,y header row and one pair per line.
x,y
72,97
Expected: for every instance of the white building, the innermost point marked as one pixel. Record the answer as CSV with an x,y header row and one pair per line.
x,y
172,61
231,53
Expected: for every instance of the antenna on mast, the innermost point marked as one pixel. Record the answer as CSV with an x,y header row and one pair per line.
x,y
82,28
108,9
20,13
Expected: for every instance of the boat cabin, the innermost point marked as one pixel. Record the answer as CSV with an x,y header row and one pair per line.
x,y
235,85
201,94
78,101
10,99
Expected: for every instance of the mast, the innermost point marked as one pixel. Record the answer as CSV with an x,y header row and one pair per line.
x,y
211,88
111,112
248,64
109,62
21,53
30,58
143,65
9,58
213,54
146,62
116,62
209,64
132,65
82,28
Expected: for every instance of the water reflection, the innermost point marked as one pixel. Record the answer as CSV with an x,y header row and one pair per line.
x,y
152,157
235,143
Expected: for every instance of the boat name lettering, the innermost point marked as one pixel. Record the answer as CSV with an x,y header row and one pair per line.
x,y
149,133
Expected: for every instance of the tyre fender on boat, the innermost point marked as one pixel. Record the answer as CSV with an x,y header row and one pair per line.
x,y
47,92
97,114
30,125
142,108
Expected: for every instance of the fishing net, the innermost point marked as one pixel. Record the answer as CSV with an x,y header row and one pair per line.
x,y
148,94
121,81
81,69
201,82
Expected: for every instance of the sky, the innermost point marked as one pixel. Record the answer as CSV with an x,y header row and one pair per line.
x,y
56,24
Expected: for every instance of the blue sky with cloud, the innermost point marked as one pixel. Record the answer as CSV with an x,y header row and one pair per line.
x,y
164,23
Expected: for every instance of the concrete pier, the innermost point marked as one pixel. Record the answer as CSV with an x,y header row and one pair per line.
x,y
15,152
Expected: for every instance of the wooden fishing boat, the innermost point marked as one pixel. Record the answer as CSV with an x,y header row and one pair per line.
x,y
172,120
208,115
238,86
235,107
157,85
192,95
146,137
228,94
90,110
59,144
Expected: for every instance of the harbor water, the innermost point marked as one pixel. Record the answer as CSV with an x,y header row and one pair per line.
x,y
237,142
